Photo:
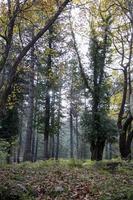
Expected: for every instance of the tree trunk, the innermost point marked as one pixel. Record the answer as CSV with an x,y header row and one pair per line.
x,y
36,147
53,147
57,145
71,133
97,149
52,137
47,102
33,146
19,147
77,136
47,126
29,131
9,152
58,130
20,138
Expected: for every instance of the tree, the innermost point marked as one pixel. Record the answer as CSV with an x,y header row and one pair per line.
x,y
123,44
9,129
6,86
29,132
99,50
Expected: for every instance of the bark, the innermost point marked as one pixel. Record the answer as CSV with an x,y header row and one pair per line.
x,y
47,126
33,145
57,145
36,119
53,125
58,130
9,152
77,136
110,151
71,132
36,148
29,132
125,140
124,128
19,146
124,95
53,147
47,101
20,137
97,150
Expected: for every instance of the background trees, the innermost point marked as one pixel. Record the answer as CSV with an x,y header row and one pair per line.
x,y
57,78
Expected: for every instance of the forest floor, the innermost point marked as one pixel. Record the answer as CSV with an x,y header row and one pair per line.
x,y
67,180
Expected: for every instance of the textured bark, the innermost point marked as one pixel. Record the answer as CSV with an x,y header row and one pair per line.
x,y
9,153
19,146
47,100
36,148
52,137
77,136
124,127
71,132
97,150
53,147
58,130
47,125
57,145
29,132
125,139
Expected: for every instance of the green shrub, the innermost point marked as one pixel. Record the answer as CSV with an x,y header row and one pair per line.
x,y
11,191
75,163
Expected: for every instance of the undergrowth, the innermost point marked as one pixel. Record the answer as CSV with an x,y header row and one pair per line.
x,y
67,179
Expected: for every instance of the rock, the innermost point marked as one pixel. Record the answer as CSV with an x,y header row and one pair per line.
x,y
59,189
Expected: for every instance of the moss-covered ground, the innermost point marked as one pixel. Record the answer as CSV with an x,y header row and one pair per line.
x,y
67,180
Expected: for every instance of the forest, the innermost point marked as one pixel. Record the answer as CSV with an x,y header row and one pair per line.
x,y
66,100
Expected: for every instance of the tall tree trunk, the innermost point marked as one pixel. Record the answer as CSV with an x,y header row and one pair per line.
x,y
71,132
47,101
52,136
77,136
57,144
47,126
20,137
58,130
19,146
9,152
33,145
29,131
36,149
110,151
126,134
53,147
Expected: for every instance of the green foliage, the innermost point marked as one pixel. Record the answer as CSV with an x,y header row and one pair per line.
x,y
107,127
75,163
12,191
122,193
9,125
3,150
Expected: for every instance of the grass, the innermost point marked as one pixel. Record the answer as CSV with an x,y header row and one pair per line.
x,y
66,180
